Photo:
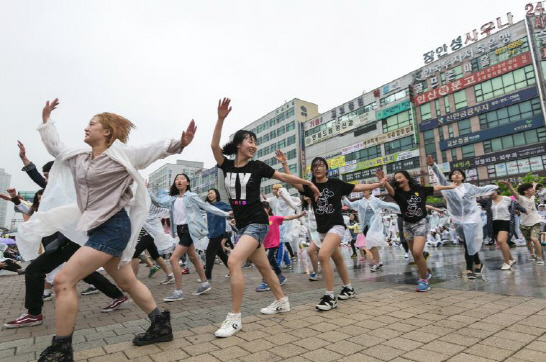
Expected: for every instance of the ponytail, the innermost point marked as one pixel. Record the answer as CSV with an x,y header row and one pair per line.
x,y
230,148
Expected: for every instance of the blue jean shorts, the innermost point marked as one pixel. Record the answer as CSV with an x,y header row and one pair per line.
x,y
256,231
112,236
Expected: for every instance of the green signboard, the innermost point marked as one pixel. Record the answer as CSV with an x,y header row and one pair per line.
x,y
391,111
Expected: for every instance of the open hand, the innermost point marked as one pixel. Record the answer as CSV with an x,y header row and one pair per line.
x,y
505,183
187,135
12,192
223,108
430,160
279,155
48,108
380,173
22,150
384,181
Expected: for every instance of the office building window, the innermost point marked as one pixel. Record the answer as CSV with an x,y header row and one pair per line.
x,y
402,144
460,99
425,111
506,83
515,140
513,113
397,121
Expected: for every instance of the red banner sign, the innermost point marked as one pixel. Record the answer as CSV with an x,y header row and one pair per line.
x,y
475,78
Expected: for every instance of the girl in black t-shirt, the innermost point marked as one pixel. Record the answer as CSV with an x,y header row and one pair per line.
x,y
331,228
412,199
242,181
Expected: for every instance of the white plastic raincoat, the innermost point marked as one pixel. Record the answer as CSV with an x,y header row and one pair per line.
x,y
375,235
463,209
59,210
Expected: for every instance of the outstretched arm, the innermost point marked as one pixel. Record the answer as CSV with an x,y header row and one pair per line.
x,y
209,208
511,188
288,199
279,155
384,181
350,204
30,168
223,111
364,187
448,187
477,191
296,182
295,216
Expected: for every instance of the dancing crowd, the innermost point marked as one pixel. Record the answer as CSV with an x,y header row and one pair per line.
x,y
94,212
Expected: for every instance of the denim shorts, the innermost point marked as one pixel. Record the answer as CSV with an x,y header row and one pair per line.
x,y
256,231
184,237
112,236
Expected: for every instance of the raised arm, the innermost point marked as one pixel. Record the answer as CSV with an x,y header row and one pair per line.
x,y
223,111
477,191
283,193
511,188
441,178
279,155
30,168
296,182
48,131
384,181
164,202
364,187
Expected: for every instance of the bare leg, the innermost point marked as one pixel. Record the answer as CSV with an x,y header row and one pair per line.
x,y
177,270
502,238
85,261
196,261
163,265
327,249
312,250
341,268
135,266
259,258
375,253
538,247
243,249
417,245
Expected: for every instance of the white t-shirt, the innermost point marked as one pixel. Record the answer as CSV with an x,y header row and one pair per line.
x,y
500,210
532,217
179,212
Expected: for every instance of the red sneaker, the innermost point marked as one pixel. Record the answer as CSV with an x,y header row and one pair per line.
x,y
185,271
25,320
115,304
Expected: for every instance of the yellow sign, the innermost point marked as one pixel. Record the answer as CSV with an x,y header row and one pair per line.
x,y
336,162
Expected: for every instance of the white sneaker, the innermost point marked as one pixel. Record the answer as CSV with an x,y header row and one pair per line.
x,y
540,261
506,267
278,306
512,262
406,256
230,326
174,297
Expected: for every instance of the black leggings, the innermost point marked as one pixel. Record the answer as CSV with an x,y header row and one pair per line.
x,y
214,248
146,242
353,241
10,265
289,248
273,261
471,260
403,241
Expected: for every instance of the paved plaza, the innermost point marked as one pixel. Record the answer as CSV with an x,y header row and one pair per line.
x,y
499,317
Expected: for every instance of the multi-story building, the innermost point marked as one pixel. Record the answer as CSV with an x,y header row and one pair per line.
x,y
5,179
480,108
208,179
280,130
163,177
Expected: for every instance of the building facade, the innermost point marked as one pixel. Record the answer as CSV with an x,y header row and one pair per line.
x,y
163,177
280,130
5,179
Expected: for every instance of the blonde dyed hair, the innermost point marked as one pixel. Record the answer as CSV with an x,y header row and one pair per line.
x,y
118,126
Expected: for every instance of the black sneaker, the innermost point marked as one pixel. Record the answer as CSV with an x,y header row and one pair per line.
x,y
90,290
159,331
347,293
470,275
59,351
326,303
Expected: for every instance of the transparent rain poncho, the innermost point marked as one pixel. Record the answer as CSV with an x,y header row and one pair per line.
x,y
375,235
153,226
463,209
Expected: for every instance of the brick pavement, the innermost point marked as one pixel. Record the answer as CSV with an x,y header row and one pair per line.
x,y
386,322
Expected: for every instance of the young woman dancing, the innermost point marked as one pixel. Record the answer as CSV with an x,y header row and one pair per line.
x,y
242,180
187,221
217,232
86,199
331,228
465,214
412,198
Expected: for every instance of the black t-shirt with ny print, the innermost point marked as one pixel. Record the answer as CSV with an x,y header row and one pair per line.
x,y
413,203
243,187
328,207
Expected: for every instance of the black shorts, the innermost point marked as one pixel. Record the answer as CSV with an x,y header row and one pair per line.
x,y
184,235
146,242
500,225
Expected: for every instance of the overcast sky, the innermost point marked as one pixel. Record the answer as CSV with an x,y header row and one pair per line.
x,y
162,63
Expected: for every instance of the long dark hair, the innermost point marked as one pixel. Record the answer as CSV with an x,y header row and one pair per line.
x,y
266,206
217,195
174,191
230,148
411,182
36,201
314,164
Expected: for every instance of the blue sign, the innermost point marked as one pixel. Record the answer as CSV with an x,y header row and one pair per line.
x,y
480,108
487,134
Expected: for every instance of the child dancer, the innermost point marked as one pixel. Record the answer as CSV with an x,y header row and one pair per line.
x,y
331,228
412,198
242,180
271,243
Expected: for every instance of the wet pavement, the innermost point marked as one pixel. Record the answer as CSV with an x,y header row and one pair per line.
x,y
498,316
